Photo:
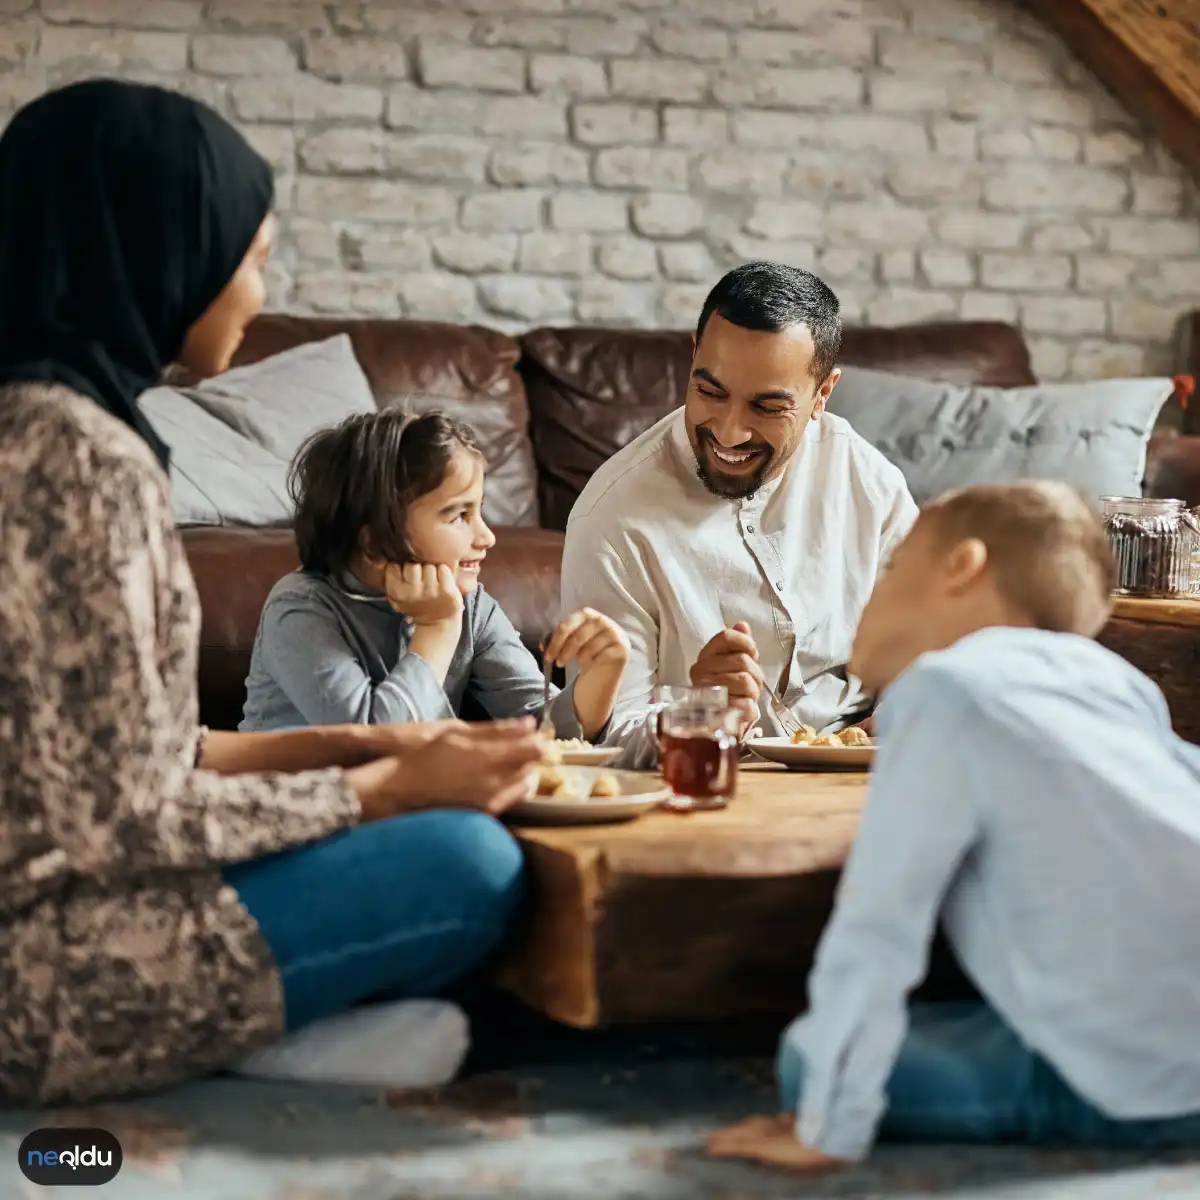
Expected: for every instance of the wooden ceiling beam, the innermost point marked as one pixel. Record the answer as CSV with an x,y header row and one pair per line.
x,y
1147,52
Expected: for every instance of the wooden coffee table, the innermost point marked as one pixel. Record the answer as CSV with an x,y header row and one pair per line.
x,y
1162,638
686,917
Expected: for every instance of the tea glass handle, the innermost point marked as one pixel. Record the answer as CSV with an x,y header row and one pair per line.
x,y
724,740
651,723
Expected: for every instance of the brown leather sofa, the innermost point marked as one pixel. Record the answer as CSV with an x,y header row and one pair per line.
x,y
549,407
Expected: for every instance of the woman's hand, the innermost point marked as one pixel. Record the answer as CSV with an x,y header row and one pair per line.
x,y
484,766
426,594
601,649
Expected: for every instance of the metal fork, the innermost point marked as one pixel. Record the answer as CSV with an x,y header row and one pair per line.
x,y
790,725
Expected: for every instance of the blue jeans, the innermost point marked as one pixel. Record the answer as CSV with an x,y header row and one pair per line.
x,y
397,908
963,1076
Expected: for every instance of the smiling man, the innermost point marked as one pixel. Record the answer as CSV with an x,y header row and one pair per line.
x,y
738,540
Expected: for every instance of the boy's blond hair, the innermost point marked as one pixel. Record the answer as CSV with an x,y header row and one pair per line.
x,y
1047,550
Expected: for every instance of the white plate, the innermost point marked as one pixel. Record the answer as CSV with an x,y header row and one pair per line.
x,y
590,756
813,758
639,793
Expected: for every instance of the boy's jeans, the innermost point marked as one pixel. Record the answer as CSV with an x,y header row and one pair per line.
x,y
963,1076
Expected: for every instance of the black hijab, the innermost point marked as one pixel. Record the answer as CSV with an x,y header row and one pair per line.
x,y
124,211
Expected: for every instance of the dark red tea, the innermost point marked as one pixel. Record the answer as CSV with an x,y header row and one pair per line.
x,y
702,767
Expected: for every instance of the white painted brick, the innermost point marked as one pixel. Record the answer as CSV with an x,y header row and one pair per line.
x,y
324,291
903,306
875,222
451,64
642,168
1026,272
688,262
680,304
518,211
555,254
784,219
304,98
898,266
802,14
1055,106
530,33
366,247
230,54
947,269
352,58
437,297
658,79
1176,277
988,306
667,216
1049,357
1104,272
848,41
1113,148
353,151
1068,316
828,173
935,179
404,21
871,131
275,143
1057,238
294,17
846,264
1141,319
1149,237
614,124
777,87
18,41
539,163
695,126
411,109
1103,359
1158,195
112,50
900,52
627,258
449,158
955,139
373,200
742,171
1048,186
1026,62
1036,141
142,14
909,93
596,36
487,7
790,253
589,212
567,73
476,254
528,299
314,241
609,302
687,40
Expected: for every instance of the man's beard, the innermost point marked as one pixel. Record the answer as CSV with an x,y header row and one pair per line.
x,y
740,487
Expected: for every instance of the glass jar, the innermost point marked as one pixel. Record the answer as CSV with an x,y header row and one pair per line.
x,y
1154,543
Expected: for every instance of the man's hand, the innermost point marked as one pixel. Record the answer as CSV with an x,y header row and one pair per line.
x,y
730,660
773,1141
484,766
424,593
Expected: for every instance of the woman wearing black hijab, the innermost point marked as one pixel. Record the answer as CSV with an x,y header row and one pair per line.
x,y
162,910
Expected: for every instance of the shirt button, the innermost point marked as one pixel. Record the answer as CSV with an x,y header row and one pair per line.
x,y
749,528
779,586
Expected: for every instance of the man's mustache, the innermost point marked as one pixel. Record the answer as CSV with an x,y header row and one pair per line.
x,y
705,435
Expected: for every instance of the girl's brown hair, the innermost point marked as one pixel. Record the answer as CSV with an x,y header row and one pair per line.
x,y
364,474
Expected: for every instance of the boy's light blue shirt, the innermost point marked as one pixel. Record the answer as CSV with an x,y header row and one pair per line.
x,y
1029,789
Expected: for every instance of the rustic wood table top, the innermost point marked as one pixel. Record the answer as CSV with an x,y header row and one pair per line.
x,y
1182,611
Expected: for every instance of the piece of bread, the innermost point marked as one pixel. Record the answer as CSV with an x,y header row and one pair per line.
x,y
855,737
826,739
804,735
604,786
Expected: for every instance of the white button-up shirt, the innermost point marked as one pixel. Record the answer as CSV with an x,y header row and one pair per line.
x,y
648,545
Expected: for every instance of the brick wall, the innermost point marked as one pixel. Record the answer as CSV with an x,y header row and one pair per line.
x,y
520,162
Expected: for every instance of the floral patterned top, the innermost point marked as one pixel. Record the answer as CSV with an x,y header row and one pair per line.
x,y
126,963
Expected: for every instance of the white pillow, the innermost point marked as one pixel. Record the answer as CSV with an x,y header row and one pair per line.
x,y
941,435
233,437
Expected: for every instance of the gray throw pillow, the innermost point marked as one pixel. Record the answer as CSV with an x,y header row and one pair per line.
x,y
1091,435
233,437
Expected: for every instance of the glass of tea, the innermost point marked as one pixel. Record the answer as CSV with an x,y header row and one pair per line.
x,y
699,751
666,695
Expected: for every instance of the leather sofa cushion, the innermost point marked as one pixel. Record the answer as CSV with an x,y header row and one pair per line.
x,y
468,371
592,391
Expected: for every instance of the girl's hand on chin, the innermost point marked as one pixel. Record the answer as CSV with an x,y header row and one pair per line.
x,y
426,594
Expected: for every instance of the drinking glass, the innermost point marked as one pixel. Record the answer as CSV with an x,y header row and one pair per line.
x,y
668,694
699,751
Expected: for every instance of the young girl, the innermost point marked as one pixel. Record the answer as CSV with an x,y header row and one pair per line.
x,y
386,620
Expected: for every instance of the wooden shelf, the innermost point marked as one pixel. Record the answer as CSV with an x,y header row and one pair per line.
x,y
1183,611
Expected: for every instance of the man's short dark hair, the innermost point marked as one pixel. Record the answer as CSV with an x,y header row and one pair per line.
x,y
772,297
364,474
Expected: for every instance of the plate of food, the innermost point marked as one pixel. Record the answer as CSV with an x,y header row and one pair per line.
x,y
585,795
575,752
851,749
